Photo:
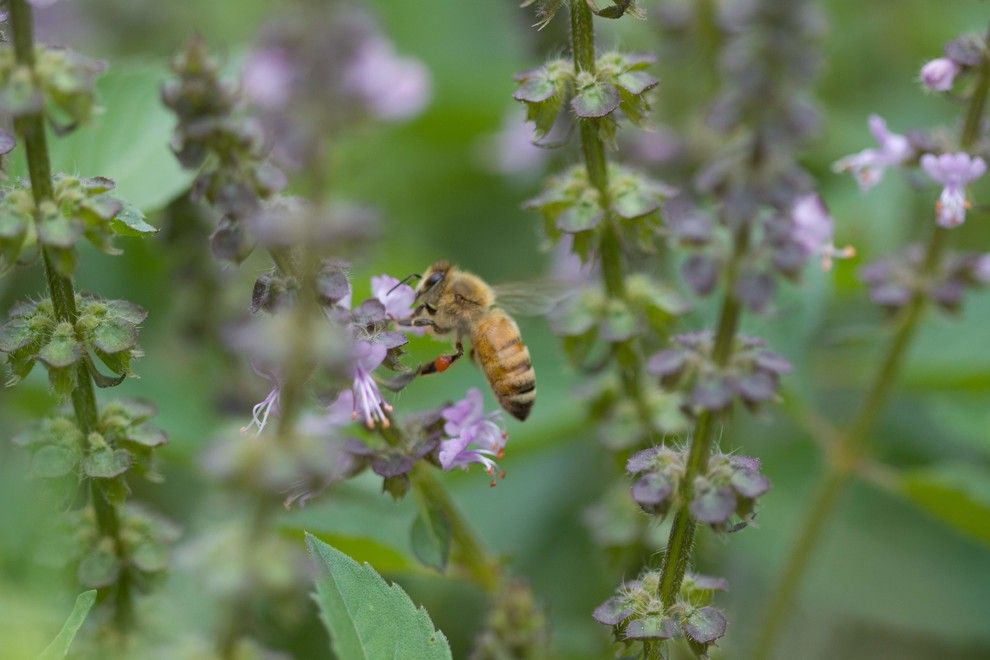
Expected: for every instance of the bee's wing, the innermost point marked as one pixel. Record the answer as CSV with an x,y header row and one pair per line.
x,y
532,297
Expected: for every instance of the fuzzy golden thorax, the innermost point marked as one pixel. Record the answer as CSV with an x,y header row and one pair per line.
x,y
452,298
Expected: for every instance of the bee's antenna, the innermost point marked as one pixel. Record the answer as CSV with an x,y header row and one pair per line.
x,y
403,281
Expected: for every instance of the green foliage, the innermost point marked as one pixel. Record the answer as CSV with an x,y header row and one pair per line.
x,y
59,648
958,494
105,328
429,537
127,142
61,85
368,618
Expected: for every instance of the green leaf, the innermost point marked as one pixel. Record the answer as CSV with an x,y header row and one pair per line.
x,y
55,230
536,87
147,435
368,618
15,334
583,215
126,310
636,82
595,100
130,222
59,648
62,351
114,335
128,141
430,537
958,494
106,463
53,461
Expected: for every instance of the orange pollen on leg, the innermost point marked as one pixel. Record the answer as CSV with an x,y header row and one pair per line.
x,y
442,362
501,475
501,453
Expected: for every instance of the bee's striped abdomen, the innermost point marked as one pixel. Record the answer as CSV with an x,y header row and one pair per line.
x,y
505,360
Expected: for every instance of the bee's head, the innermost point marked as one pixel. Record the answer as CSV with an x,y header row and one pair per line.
x,y
431,282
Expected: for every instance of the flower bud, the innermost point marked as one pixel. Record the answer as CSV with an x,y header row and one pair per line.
x,y
939,74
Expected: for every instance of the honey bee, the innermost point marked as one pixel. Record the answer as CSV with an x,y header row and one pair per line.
x,y
454,302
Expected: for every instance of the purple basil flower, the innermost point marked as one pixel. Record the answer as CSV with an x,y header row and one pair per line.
x,y
954,172
394,87
939,74
813,228
397,298
472,436
869,164
367,401
267,406
268,77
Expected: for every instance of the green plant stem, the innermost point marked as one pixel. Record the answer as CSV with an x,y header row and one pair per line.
x,y
681,538
484,569
610,248
31,129
848,451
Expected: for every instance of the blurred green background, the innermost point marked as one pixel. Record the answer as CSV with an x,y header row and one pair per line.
x,y
904,572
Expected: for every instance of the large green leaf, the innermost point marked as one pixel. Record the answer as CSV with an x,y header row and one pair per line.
x,y
368,618
127,142
958,494
59,647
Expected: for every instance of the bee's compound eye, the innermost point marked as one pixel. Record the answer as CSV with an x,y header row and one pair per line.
x,y
433,279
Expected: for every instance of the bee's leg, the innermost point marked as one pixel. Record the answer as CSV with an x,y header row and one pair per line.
x,y
443,362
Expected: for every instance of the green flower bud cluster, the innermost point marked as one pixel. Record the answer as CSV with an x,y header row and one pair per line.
x,y
107,329
140,550
637,614
571,205
81,208
60,85
619,84
516,627
590,316
123,441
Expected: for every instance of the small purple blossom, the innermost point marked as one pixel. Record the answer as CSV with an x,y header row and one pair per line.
x,y
394,87
869,164
367,401
954,172
268,77
472,436
813,230
397,298
939,74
